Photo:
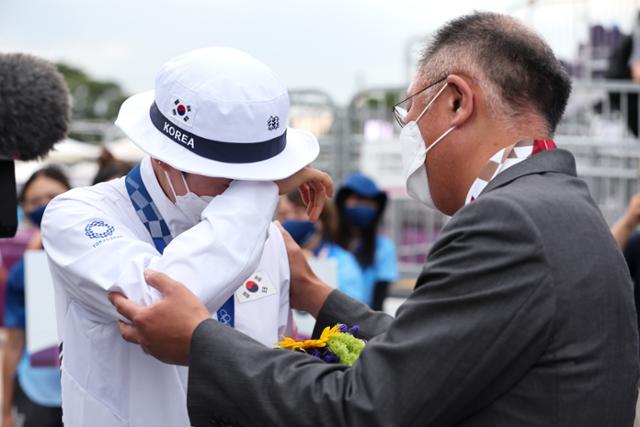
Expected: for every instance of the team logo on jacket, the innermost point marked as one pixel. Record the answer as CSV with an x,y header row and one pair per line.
x,y
98,229
255,287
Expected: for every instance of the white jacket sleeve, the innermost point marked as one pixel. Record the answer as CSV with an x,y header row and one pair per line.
x,y
212,258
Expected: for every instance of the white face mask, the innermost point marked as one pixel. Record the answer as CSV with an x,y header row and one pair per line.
x,y
190,204
414,154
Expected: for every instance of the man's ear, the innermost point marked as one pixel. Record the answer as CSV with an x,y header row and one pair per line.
x,y
461,100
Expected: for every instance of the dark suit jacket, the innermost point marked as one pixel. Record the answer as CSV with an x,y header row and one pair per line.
x,y
522,316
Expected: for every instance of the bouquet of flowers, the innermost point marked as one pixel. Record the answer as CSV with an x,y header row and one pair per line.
x,y
337,344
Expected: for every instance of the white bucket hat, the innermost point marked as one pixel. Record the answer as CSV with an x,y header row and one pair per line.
x,y
218,112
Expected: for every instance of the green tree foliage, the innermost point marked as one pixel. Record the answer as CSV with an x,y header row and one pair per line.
x,y
92,99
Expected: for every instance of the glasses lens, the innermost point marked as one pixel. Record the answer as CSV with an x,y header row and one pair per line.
x,y
400,114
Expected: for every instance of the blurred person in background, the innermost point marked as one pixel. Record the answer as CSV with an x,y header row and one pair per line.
x,y
318,240
34,400
634,56
624,231
628,238
109,167
360,204
624,64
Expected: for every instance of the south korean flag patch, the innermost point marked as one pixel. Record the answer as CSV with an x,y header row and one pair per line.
x,y
182,110
256,287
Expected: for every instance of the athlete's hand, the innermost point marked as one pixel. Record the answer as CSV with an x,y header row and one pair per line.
x,y
314,187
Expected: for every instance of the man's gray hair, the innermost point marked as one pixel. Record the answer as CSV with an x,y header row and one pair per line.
x,y
516,69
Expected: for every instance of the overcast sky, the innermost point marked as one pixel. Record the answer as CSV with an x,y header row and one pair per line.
x,y
338,46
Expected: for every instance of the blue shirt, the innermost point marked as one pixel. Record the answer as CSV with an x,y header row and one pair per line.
x,y
41,384
383,269
349,274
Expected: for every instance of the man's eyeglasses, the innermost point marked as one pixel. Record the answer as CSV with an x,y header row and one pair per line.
x,y
400,110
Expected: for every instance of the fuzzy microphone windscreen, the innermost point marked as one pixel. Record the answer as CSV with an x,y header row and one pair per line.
x,y
34,106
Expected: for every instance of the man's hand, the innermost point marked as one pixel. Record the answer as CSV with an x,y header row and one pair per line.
x,y
307,292
314,186
163,329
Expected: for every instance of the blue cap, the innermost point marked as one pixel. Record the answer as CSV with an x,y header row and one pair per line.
x,y
362,185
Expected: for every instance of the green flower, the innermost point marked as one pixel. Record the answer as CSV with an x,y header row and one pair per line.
x,y
346,347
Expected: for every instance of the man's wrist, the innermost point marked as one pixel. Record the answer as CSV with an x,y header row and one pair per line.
x,y
316,294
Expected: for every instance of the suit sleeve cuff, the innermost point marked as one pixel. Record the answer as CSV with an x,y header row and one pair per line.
x,y
197,405
334,310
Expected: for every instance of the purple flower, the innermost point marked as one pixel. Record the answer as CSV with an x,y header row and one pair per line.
x,y
315,352
329,357
342,328
354,330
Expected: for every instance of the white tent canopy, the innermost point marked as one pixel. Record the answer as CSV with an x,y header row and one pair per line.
x,y
123,149
78,159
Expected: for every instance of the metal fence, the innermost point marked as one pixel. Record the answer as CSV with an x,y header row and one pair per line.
x,y
600,128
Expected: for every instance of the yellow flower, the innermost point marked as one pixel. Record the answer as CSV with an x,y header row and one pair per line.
x,y
290,343
327,333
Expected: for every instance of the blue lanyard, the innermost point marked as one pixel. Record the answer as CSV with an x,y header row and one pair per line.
x,y
159,230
